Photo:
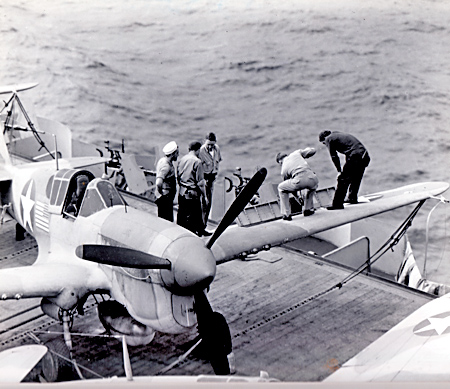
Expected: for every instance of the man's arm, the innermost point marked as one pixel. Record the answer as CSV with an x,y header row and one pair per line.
x,y
201,183
161,173
334,156
159,183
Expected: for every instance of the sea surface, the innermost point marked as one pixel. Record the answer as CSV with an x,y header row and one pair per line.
x,y
265,76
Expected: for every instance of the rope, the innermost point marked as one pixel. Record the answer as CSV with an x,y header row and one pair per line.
x,y
180,359
389,244
442,200
445,239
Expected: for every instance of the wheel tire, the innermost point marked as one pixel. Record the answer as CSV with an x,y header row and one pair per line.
x,y
54,368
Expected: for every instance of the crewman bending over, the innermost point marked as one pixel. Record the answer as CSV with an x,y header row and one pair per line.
x,y
297,175
356,160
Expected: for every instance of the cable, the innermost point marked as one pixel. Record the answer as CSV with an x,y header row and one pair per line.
x,y
180,359
442,200
389,244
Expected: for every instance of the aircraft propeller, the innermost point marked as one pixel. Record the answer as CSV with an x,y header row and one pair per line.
x,y
212,326
215,334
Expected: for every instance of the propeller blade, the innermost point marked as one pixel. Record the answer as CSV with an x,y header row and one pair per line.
x,y
215,334
239,204
121,256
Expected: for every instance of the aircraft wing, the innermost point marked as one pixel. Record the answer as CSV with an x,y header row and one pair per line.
x,y
236,239
16,88
416,349
17,362
83,162
50,279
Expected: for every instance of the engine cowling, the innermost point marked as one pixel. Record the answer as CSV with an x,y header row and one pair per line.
x,y
193,266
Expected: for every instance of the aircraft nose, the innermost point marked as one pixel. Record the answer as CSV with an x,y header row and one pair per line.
x,y
193,266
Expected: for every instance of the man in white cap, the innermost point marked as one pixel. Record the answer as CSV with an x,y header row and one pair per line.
x,y
166,183
297,175
210,156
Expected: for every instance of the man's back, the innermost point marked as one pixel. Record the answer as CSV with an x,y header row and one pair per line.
x,y
344,143
189,171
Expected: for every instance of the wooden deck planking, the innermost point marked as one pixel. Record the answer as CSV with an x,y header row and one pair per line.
x,y
270,279
333,327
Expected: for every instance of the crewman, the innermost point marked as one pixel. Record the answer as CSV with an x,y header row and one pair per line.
x,y
297,175
166,184
210,157
356,160
77,196
192,189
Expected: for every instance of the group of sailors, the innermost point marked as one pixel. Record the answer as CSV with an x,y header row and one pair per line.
x,y
196,172
194,175
298,175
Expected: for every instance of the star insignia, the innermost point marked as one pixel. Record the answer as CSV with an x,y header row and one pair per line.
x,y
436,325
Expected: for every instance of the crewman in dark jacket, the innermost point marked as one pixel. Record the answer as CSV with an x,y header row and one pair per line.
x,y
192,189
356,160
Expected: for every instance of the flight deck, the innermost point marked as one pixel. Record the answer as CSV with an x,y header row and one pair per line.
x,y
286,312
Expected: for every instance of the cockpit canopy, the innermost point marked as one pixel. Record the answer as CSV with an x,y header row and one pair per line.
x,y
66,199
100,194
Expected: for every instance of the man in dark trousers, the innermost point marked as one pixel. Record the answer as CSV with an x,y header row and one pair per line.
x,y
166,184
210,157
192,188
356,160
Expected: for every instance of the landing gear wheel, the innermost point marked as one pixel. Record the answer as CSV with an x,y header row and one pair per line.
x,y
219,344
55,368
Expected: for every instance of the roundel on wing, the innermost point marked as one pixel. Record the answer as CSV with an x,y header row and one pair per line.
x,y
27,201
434,326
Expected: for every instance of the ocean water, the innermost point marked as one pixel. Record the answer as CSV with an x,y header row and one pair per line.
x,y
265,76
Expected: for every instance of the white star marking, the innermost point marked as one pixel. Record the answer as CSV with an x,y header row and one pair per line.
x,y
28,205
436,323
